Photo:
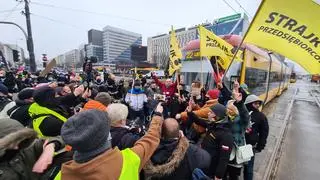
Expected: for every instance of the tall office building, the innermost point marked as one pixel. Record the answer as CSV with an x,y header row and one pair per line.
x,y
95,50
138,53
95,37
117,44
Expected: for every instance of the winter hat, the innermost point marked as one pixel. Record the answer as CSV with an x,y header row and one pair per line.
x,y
12,132
213,93
26,93
45,96
3,89
137,83
252,98
104,98
88,133
93,104
220,110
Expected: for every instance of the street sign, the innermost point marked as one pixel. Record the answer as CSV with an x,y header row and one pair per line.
x,y
229,18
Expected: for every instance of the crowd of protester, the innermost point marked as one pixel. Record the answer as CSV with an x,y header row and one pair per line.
x,y
60,127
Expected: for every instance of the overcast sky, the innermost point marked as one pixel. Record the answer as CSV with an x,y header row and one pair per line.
x,y
61,25
59,29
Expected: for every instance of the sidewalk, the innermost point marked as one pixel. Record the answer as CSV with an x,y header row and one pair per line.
x,y
275,111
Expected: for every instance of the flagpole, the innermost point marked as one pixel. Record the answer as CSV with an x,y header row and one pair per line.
x,y
245,35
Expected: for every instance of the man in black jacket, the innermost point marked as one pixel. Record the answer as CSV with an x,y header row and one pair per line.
x,y
122,136
20,111
257,132
175,158
218,141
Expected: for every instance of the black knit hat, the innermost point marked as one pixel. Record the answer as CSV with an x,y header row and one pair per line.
x,y
26,93
45,96
88,133
220,110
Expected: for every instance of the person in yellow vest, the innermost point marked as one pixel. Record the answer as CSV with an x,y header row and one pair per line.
x,y
88,132
47,112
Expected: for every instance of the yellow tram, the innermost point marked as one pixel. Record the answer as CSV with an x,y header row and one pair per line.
x,y
265,74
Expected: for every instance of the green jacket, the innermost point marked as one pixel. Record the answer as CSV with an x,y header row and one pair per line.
x,y
20,165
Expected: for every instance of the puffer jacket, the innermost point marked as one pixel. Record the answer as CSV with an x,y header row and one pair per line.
x,y
176,159
136,99
18,164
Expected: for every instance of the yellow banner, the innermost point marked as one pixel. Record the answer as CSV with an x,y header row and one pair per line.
x,y
291,28
213,45
175,53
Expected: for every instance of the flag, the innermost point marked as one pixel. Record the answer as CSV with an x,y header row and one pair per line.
x,y
291,28
175,53
213,45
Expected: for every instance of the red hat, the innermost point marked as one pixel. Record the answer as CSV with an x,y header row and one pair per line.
x,y
213,93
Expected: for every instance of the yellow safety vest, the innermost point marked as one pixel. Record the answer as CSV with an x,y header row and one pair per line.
x,y
130,166
42,112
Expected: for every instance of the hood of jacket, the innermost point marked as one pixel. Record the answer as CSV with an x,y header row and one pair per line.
x,y
136,91
12,133
167,157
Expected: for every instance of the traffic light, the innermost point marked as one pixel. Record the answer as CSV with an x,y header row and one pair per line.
x,y
44,60
16,55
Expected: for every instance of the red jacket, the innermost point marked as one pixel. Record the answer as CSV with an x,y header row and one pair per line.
x,y
168,91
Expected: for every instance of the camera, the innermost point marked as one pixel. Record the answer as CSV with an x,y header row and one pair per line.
x,y
159,97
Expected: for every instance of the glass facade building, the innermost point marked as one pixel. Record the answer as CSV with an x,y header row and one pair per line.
x,y
117,44
96,51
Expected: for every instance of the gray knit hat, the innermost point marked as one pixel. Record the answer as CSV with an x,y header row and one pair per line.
x,y
220,110
104,98
88,133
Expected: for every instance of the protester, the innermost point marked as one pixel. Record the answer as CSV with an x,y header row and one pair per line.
x,y
104,98
212,99
168,88
239,116
122,136
256,133
175,158
20,111
5,102
136,98
48,113
89,134
22,155
218,141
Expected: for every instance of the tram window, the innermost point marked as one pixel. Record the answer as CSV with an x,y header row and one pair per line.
x,y
233,71
256,80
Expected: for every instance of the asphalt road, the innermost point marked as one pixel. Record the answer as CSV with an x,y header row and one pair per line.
x,y
300,156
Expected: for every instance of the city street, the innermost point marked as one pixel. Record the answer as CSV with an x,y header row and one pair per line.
x,y
300,153
293,143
